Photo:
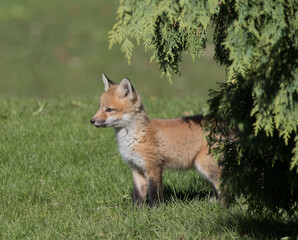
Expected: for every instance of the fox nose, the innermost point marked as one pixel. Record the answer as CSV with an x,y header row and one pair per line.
x,y
92,121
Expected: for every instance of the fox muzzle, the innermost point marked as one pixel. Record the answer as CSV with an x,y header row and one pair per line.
x,y
98,123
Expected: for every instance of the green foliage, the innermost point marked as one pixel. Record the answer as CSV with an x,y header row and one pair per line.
x,y
167,27
260,40
255,166
257,43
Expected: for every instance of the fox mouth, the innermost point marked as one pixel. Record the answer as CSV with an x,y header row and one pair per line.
x,y
98,124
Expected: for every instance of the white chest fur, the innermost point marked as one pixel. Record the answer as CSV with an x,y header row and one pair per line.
x,y
126,141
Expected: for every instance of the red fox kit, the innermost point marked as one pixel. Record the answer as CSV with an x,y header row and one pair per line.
x,y
150,145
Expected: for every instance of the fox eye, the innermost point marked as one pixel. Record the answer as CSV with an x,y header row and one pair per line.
x,y
109,109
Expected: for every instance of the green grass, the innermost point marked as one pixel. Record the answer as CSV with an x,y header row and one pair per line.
x,y
62,178
53,48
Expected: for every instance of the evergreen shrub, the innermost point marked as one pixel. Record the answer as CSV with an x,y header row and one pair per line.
x,y
256,41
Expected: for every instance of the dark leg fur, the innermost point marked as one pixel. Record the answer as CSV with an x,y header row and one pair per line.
x,y
214,194
154,193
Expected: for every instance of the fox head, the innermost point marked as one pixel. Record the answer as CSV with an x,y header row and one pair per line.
x,y
118,106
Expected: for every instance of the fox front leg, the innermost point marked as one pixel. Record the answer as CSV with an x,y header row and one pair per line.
x,y
139,191
154,181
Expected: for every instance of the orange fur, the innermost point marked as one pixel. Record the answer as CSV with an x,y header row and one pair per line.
x,y
150,145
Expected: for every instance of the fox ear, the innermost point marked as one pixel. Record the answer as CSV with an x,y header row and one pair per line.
x,y
125,89
107,82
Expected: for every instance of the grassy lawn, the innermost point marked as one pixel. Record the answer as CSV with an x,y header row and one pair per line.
x,y
60,177
52,48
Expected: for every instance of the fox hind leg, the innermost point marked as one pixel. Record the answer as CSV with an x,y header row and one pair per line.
x,y
208,168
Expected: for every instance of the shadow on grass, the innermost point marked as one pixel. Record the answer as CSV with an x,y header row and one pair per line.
x,y
256,228
238,221
185,195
